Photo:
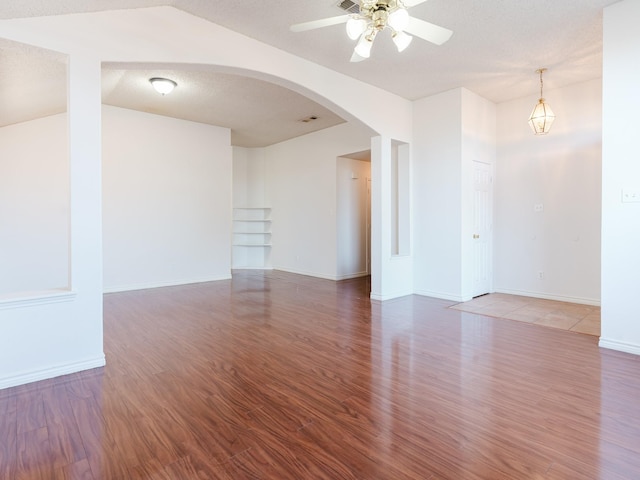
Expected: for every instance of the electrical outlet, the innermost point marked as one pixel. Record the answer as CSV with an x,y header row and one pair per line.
x,y
540,275
538,207
630,195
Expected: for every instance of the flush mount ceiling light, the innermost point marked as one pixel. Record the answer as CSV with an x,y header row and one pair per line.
x,y
542,116
163,85
376,15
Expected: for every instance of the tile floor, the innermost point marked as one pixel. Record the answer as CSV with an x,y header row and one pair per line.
x,y
550,313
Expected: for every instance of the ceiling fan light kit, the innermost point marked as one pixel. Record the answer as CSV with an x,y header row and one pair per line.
x,y
398,19
402,40
356,26
363,47
376,15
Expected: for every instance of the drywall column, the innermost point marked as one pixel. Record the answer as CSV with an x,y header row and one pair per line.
x,y
380,164
446,143
620,179
437,187
86,184
391,275
52,333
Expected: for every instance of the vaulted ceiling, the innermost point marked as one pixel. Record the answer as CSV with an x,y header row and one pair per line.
x,y
495,49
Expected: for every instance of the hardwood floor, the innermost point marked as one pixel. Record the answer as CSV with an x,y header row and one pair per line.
x,y
278,376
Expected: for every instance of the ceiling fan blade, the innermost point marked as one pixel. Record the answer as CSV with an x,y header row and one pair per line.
x,y
428,31
356,58
412,3
325,22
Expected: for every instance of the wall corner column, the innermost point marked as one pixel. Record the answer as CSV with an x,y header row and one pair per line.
x,y
85,229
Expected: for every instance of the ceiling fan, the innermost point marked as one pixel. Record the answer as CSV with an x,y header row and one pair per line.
x,y
376,15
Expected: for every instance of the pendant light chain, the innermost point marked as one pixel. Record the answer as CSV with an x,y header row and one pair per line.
x,y
541,71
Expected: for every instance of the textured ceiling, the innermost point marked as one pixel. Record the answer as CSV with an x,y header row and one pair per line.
x,y
258,113
33,82
494,51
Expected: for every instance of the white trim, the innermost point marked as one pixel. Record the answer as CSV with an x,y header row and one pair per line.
x,y
335,278
173,283
349,276
31,299
250,268
384,298
619,346
560,298
442,296
308,274
51,372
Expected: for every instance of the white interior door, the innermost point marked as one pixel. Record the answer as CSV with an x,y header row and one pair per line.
x,y
482,227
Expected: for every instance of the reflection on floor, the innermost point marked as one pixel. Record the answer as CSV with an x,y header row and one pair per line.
x,y
550,313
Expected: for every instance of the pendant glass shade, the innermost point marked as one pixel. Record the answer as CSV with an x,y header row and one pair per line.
x,y
541,118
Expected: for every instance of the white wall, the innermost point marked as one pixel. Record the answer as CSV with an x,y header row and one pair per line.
x,y
249,177
34,205
561,171
620,170
249,190
56,332
301,186
391,254
451,131
166,200
437,201
170,37
352,210
478,145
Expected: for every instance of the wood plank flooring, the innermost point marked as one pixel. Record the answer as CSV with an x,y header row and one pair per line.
x,y
279,376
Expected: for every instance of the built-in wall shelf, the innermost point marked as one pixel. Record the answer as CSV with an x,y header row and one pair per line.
x,y
251,237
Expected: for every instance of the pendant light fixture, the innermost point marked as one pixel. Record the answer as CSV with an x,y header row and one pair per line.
x,y
542,116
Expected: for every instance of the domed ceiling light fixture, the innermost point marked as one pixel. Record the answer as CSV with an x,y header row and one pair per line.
x,y
163,86
542,116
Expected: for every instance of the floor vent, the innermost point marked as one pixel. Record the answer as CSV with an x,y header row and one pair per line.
x,y
350,6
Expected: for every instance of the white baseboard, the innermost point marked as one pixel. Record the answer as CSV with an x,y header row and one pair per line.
x,y
251,268
389,296
52,372
561,298
442,296
324,276
30,299
619,346
304,272
351,275
172,283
